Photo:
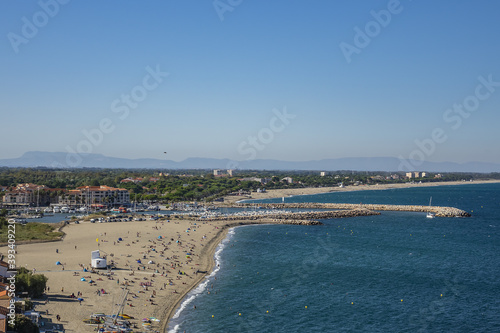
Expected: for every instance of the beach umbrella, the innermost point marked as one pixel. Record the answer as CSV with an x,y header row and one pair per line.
x,y
80,299
159,237
82,279
139,261
58,263
120,239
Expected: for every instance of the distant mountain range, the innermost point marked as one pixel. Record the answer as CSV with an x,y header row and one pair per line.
x,y
65,160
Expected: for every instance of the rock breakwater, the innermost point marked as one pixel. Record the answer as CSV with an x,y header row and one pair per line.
x,y
301,218
440,211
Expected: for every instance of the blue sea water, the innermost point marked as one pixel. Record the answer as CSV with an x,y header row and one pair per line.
x,y
396,272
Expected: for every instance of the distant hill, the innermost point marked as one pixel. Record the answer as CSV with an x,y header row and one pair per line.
x,y
65,160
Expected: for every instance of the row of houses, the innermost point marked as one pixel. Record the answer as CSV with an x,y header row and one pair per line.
x,y
139,180
29,194
416,174
264,181
96,195
41,195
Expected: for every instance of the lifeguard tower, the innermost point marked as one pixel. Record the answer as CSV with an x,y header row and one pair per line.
x,y
97,261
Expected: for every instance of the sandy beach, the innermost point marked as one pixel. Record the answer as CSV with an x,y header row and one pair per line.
x,y
317,190
158,284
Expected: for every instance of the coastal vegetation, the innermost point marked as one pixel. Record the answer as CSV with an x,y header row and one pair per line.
x,y
201,185
32,284
30,231
23,324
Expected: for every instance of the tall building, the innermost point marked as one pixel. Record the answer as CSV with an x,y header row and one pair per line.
x,y
96,195
26,194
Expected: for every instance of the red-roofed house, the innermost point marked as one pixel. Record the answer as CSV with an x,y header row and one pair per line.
x,y
97,195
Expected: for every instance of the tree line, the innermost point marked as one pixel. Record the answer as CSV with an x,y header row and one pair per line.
x,y
188,185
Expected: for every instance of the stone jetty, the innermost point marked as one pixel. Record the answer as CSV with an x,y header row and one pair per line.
x,y
439,211
300,218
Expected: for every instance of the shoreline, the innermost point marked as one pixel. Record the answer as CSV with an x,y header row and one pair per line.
x,y
42,256
279,193
156,286
210,253
166,286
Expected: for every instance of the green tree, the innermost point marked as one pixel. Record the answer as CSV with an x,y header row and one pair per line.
x,y
23,324
33,284
3,222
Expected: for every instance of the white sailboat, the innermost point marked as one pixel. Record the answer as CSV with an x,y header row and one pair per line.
x,y
430,215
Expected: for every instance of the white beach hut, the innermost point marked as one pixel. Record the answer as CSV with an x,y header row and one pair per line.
x,y
97,261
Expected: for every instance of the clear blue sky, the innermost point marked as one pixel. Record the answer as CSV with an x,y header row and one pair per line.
x,y
227,76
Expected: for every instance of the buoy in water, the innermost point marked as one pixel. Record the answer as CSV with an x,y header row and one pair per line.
x,y
239,314
212,316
